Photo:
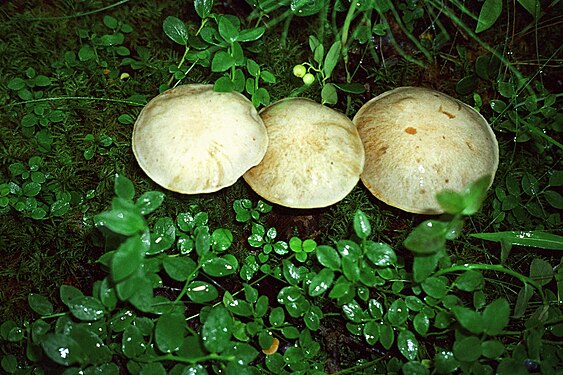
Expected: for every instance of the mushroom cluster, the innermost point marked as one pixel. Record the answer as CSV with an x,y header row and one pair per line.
x,y
406,145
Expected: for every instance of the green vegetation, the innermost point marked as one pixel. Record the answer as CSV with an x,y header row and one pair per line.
x,y
103,273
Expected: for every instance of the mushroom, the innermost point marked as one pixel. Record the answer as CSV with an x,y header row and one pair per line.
x,y
418,142
314,158
191,139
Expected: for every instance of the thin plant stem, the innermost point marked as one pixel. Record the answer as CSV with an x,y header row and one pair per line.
x,y
409,35
79,14
62,98
452,16
497,268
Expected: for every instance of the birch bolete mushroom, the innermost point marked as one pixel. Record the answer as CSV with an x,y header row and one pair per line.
x,y
418,142
314,157
191,139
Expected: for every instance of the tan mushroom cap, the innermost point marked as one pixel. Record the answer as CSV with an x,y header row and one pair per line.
x,y
314,158
419,142
193,140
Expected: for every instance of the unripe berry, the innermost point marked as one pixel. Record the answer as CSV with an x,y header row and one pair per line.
x,y
308,79
299,70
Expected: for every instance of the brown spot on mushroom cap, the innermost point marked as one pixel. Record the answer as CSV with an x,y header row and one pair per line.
x,y
448,151
314,157
193,140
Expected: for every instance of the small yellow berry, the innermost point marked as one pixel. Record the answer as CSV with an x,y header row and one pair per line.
x,y
299,70
308,79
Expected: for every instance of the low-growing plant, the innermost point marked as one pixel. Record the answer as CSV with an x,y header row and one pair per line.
x,y
171,302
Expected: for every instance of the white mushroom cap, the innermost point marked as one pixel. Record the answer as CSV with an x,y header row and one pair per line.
x,y
193,140
419,142
314,158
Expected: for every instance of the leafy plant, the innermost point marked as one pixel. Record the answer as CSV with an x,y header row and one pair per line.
x,y
218,44
379,300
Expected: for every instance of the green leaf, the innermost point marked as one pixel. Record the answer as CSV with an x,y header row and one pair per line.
x,y
221,239
86,308
40,304
321,282
541,271
277,316
9,363
224,84
492,349
350,269
490,12
68,292
331,59
408,345
201,292
328,257
361,225
62,349
250,35
469,319
149,201
467,349
427,238
306,7
371,332
216,331
398,313
203,8
445,362
435,287
554,199
132,342
495,316
541,239
176,30
386,335
524,296
169,332
163,235
351,88
267,76
353,311
329,94
222,61
227,30
128,258
124,187
219,267
421,323
381,254
415,368
122,221
469,281
179,268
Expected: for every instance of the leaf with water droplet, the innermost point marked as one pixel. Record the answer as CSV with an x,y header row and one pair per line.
x,y
201,292
361,225
216,331
132,342
86,308
398,312
220,266
62,349
321,282
381,254
408,345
